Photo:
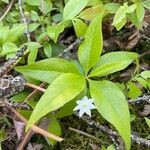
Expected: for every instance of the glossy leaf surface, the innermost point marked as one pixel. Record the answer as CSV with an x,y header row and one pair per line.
x,y
62,90
112,62
91,48
47,70
73,8
113,107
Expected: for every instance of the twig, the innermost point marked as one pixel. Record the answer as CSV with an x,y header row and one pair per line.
x,y
105,129
34,127
131,101
34,92
24,20
7,10
139,140
10,85
70,47
140,99
145,37
25,140
17,105
35,87
86,134
10,63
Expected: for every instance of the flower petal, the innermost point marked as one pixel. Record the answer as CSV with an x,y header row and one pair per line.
x,y
84,106
88,112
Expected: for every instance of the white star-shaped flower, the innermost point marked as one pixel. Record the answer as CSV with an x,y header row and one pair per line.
x,y
85,106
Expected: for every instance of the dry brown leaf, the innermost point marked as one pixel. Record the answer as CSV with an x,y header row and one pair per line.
x,y
131,42
19,127
34,146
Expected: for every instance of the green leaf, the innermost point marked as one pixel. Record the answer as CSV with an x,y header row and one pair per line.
x,y
91,13
112,62
54,128
33,2
57,17
3,134
4,31
20,97
112,7
134,90
147,121
94,2
142,81
48,50
80,27
32,56
34,16
73,8
57,49
145,74
140,11
91,48
33,26
111,147
25,113
33,45
46,6
15,33
62,90
120,14
132,8
148,84
133,17
66,110
103,148
33,48
8,48
5,1
122,87
121,23
132,118
112,105
146,4
54,31
47,70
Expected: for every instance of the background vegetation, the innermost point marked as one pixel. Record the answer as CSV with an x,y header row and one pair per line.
x,y
72,48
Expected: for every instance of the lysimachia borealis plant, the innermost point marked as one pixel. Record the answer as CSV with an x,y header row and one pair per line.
x,y
69,78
